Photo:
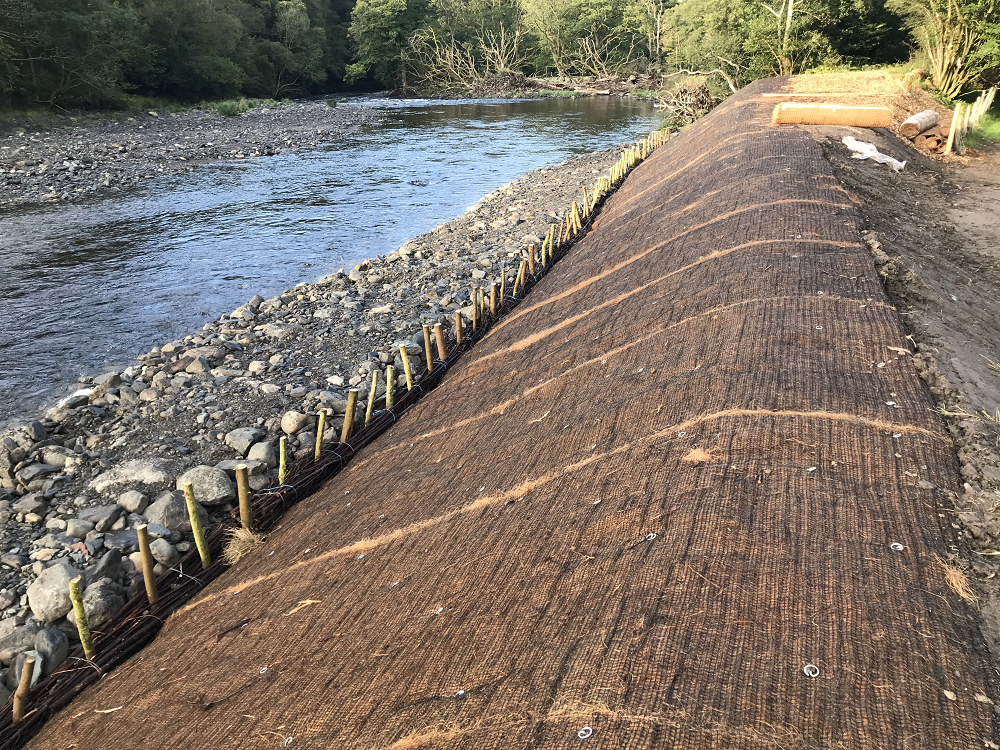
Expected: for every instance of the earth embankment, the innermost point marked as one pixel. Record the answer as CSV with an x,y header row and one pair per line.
x,y
683,497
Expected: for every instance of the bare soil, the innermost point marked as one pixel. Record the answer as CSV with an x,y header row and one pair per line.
x,y
934,232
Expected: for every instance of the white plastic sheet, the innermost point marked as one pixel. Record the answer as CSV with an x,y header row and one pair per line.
x,y
863,150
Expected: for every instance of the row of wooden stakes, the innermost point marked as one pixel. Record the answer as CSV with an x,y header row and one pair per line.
x,y
568,228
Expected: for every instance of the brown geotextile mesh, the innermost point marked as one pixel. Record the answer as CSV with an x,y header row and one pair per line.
x,y
628,518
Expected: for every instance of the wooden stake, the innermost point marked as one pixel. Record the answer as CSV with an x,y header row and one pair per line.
x,y
406,368
147,561
428,351
531,259
352,404
320,429
439,340
458,326
282,462
586,202
503,283
390,385
197,530
82,627
24,685
954,126
493,299
243,492
371,397
519,279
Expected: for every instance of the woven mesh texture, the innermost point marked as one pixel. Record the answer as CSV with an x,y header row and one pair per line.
x,y
703,367
832,114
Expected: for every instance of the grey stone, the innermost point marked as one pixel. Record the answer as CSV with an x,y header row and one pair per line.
x,y
150,474
48,595
133,501
242,438
78,528
36,671
282,330
263,452
56,455
21,640
170,510
102,516
109,566
164,552
156,531
34,471
53,646
253,467
101,601
109,379
125,541
13,560
293,421
33,502
211,486
200,364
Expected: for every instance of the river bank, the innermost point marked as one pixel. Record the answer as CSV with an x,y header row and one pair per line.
x,y
118,151
76,482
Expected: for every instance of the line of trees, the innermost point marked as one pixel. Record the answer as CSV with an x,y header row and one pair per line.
x,y
93,52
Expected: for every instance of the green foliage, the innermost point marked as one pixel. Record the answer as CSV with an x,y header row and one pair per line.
x,y
381,29
988,131
79,53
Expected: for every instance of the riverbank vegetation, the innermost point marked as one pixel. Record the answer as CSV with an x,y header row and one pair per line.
x,y
105,53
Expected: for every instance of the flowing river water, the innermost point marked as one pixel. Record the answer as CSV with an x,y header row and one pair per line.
x,y
92,284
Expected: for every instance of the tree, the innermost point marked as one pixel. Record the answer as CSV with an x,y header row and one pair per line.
x,y
550,19
960,39
299,47
380,30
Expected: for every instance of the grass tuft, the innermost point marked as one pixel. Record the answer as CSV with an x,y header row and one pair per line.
x,y
239,543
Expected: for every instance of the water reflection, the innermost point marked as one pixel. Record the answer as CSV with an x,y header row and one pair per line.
x,y
90,285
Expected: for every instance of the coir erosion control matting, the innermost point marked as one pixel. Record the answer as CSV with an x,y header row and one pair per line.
x,y
683,497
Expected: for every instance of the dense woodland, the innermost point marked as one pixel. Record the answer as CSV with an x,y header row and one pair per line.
x,y
98,53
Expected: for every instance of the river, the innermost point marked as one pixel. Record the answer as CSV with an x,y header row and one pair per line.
x,y
89,285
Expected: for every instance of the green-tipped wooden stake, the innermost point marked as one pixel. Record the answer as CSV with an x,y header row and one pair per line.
x,y
519,280
439,340
370,408
146,557
406,367
197,530
493,299
320,429
243,492
352,404
24,685
428,351
86,639
282,461
390,385
458,326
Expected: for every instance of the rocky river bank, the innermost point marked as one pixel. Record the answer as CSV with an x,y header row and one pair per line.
x,y
116,152
75,483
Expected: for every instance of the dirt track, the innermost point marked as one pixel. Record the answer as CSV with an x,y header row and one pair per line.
x,y
630,518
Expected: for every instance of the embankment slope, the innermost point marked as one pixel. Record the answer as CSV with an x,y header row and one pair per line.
x,y
629,518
